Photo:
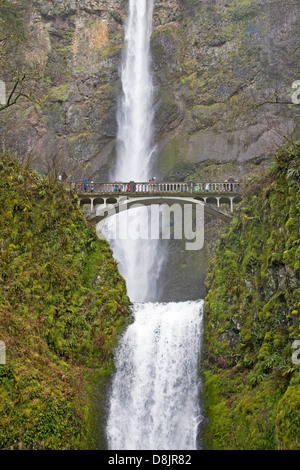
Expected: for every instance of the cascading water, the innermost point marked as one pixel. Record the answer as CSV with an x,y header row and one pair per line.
x,y
140,260
154,399
135,114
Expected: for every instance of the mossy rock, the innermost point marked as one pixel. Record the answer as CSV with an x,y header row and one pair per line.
x,y
58,324
251,317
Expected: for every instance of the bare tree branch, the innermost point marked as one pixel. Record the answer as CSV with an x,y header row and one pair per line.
x,y
22,88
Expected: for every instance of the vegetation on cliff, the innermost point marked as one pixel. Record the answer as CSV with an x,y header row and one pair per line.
x,y
22,78
251,382
212,63
63,304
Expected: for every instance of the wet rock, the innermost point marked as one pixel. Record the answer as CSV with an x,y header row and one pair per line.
x,y
209,61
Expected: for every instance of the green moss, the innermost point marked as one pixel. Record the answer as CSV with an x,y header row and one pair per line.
x,y
242,9
63,305
218,413
169,155
83,137
288,419
12,23
59,93
111,50
251,318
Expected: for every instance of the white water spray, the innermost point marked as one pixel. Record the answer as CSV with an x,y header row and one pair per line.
x,y
140,261
135,116
154,401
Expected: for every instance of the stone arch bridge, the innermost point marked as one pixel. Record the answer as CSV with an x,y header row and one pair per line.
x,y
102,200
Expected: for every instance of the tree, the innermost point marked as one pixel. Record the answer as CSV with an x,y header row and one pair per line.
x,y
22,87
12,36
12,31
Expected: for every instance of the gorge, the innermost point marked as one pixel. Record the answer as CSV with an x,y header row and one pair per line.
x,y
212,63
203,92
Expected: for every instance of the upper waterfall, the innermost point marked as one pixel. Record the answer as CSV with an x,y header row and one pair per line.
x,y
140,260
135,114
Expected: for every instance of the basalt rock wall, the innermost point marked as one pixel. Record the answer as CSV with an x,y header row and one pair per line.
x,y
214,63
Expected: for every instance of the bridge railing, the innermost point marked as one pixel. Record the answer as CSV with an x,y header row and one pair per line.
x,y
157,187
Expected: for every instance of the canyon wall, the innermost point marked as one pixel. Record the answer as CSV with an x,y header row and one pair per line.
x,y
214,63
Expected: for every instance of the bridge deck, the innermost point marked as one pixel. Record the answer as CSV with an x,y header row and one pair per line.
x,y
93,194
159,189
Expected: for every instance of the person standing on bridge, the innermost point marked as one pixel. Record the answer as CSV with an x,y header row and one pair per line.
x,y
231,180
85,184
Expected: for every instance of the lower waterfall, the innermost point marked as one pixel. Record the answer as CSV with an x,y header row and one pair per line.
x,y
154,403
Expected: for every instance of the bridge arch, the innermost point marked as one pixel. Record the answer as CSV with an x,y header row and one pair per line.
x,y
85,201
106,199
126,203
211,200
111,200
225,201
99,201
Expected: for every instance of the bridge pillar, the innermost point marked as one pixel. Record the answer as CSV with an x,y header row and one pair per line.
x,y
231,204
218,201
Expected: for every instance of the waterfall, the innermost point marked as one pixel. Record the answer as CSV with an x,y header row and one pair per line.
x,y
140,261
154,400
135,114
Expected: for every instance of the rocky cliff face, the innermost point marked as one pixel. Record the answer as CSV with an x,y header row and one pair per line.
x,y
210,60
